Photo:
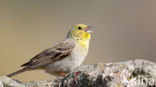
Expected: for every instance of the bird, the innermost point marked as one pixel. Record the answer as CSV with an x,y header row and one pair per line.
x,y
64,56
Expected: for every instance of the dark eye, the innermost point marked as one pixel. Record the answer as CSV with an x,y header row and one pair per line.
x,y
79,28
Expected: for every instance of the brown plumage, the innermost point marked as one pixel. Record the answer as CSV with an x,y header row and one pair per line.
x,y
57,52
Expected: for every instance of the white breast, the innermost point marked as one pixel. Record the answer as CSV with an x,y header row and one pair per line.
x,y
78,55
69,63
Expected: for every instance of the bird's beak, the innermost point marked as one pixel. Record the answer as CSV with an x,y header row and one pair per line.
x,y
88,29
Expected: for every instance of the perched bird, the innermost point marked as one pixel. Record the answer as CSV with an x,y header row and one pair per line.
x,y
64,56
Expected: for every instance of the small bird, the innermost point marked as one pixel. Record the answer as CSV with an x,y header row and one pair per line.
x,y
64,56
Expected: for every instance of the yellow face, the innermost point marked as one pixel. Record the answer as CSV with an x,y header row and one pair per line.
x,y
81,32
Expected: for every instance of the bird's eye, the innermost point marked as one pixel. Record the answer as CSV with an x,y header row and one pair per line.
x,y
79,28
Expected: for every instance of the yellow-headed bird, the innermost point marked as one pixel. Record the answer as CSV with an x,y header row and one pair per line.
x,y
64,56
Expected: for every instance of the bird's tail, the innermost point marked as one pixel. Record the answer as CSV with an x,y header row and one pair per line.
x,y
17,72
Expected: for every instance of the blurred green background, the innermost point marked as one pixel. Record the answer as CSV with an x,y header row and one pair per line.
x,y
124,30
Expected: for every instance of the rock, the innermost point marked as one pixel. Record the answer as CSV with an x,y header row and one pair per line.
x,y
1,84
135,73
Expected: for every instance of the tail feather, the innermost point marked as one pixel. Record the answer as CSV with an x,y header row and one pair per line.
x,y
17,72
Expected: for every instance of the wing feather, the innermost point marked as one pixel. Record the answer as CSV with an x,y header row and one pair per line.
x,y
58,52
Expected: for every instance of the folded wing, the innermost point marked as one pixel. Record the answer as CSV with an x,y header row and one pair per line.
x,y
58,52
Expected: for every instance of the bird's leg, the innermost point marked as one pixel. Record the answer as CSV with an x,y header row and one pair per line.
x,y
76,75
63,74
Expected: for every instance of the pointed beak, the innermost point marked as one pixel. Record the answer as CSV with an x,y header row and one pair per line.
x,y
88,29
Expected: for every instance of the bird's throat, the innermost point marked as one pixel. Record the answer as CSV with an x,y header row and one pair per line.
x,y
84,44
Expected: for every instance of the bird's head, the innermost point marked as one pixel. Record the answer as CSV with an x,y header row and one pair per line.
x,y
80,32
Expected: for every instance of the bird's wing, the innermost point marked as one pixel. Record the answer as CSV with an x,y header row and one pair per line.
x,y
58,52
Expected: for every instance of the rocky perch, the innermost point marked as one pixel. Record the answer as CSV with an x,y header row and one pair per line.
x,y
135,73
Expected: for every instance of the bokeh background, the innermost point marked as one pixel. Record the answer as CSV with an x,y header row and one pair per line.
x,y
124,30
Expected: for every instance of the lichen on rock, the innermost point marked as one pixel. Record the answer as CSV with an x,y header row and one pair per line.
x,y
134,73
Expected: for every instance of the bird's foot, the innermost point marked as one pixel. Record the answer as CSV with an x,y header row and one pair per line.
x,y
76,77
63,74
